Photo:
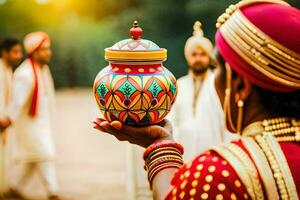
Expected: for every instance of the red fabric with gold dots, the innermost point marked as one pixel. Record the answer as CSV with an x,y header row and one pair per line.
x,y
208,176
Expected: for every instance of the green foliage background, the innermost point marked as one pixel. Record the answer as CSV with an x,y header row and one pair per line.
x,y
80,30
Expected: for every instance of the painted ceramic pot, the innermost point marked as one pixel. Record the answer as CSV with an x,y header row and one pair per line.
x,y
135,88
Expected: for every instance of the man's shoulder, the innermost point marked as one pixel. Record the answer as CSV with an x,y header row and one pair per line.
x,y
24,71
185,77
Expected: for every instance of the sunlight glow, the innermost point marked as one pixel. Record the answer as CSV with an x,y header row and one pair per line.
x,y
2,2
42,1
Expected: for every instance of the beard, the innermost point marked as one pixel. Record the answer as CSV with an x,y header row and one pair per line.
x,y
44,61
198,68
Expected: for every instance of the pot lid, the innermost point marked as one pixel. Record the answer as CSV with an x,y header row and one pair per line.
x,y
135,48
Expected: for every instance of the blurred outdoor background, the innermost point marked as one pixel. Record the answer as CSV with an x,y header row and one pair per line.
x,y
92,165
81,29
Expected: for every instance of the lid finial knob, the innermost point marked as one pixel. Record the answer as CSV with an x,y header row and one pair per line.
x,y
136,31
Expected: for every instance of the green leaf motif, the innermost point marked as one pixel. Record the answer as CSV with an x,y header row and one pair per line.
x,y
102,89
155,89
127,89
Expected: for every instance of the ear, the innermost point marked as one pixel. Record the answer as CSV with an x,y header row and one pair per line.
x,y
241,88
3,53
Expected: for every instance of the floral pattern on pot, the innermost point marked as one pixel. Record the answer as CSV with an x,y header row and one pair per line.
x,y
135,95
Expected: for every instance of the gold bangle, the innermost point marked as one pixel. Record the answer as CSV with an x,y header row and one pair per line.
x,y
165,157
154,172
159,154
162,149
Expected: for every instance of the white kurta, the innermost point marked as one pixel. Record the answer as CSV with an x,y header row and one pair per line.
x,y
32,134
137,186
5,87
182,115
5,90
207,128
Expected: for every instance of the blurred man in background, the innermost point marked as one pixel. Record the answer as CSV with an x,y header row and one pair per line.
x,y
197,51
30,112
197,114
11,55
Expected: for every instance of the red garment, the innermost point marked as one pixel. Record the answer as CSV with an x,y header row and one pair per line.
x,y
217,179
35,93
291,151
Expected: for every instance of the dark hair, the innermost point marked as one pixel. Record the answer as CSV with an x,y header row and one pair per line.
x,y
7,43
277,103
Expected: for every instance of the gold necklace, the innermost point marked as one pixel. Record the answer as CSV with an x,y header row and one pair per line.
x,y
262,166
283,129
267,134
197,89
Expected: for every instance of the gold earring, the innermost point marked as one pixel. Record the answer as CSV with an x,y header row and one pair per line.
x,y
226,105
240,106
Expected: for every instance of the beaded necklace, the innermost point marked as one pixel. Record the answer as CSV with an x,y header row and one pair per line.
x,y
267,134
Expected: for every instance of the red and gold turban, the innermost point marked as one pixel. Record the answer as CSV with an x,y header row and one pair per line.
x,y
260,40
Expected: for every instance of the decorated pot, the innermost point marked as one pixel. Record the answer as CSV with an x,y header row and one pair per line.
x,y
135,88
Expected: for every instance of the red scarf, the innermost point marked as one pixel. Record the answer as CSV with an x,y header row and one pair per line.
x,y
34,102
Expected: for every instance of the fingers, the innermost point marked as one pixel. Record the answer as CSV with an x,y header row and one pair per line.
x,y
153,131
96,126
130,130
105,126
117,125
99,120
143,136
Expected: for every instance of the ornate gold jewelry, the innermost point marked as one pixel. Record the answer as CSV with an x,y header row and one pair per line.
x,y
240,106
262,165
283,129
283,165
226,106
267,134
160,156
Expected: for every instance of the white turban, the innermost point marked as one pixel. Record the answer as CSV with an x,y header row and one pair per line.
x,y
196,40
33,41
